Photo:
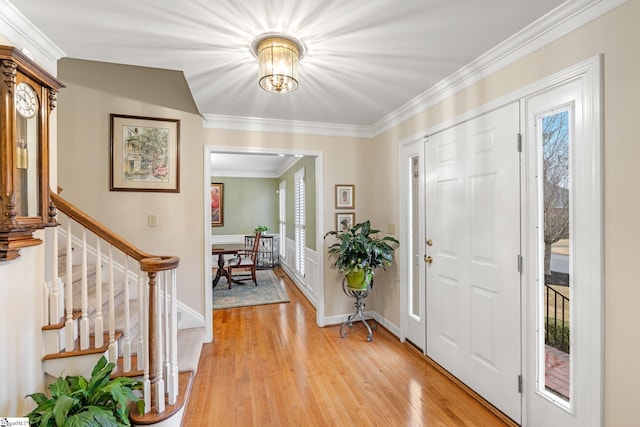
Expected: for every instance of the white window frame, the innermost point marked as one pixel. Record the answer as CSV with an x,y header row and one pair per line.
x,y
299,179
282,205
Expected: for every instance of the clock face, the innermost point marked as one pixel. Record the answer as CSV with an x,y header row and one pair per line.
x,y
26,100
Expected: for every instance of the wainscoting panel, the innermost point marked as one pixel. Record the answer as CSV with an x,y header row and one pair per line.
x,y
227,239
308,283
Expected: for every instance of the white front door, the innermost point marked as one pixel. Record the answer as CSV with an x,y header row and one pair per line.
x,y
413,295
473,280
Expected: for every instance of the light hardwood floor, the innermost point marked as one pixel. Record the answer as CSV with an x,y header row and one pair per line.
x,y
271,365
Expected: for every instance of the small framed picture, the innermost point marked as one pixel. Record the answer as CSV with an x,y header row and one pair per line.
x,y
345,221
217,200
345,196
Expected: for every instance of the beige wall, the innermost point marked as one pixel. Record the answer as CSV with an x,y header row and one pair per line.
x,y
616,36
95,90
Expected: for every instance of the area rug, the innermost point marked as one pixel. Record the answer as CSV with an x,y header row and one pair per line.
x,y
268,291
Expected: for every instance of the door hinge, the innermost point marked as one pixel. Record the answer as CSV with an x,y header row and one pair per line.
x,y
519,263
520,384
519,143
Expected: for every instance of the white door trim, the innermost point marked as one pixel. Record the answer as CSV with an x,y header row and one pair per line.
x,y
319,274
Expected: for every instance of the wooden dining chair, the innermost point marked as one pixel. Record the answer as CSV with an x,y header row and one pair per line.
x,y
247,260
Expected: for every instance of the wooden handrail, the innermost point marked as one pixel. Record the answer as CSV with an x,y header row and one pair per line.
x,y
147,261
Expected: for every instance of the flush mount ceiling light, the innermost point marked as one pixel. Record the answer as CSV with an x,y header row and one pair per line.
x,y
278,57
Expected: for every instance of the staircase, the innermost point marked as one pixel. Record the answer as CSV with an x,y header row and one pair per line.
x,y
121,304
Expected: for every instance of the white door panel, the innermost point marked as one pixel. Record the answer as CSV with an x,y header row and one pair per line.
x,y
473,283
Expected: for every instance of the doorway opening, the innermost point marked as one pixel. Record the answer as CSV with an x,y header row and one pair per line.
x,y
312,282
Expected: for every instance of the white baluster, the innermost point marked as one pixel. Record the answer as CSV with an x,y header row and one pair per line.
x,y
47,286
166,332
113,346
146,382
45,305
56,300
84,321
160,389
99,323
127,314
141,322
69,324
173,335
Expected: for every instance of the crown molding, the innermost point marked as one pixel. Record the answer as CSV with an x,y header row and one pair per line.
x,y
550,27
15,27
255,124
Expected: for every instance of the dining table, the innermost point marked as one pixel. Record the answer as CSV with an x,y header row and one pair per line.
x,y
221,250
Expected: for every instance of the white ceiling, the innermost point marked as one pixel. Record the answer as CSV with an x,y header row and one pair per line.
x,y
364,58
250,165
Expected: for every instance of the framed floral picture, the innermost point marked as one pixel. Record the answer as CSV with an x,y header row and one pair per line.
x,y
145,154
345,220
217,206
345,196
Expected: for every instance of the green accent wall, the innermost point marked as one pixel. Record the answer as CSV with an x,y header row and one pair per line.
x,y
247,203
309,164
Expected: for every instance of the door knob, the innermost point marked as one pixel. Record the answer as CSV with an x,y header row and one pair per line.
x,y
429,242
428,259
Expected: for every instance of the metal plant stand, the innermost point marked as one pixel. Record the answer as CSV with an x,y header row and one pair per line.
x,y
359,295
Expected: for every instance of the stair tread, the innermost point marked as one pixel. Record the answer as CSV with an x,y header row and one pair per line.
x,y
76,315
77,352
189,348
120,372
185,383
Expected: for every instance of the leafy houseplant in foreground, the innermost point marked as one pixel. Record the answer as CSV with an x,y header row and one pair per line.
x,y
357,253
76,401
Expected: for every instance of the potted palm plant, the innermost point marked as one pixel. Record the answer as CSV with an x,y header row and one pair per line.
x,y
358,253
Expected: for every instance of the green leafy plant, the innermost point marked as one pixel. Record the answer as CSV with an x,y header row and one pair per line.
x,y
359,251
76,401
261,229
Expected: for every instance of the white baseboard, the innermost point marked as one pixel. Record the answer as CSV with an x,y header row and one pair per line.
x,y
189,318
340,318
297,281
394,329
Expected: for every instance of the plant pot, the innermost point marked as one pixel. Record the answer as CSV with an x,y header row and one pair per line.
x,y
359,279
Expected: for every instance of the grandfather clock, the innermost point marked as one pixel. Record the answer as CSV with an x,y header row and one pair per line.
x,y
28,94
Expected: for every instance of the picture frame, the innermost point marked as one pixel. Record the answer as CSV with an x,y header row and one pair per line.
x,y
217,204
345,220
345,196
144,154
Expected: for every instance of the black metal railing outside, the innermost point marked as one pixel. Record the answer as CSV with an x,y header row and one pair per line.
x,y
557,331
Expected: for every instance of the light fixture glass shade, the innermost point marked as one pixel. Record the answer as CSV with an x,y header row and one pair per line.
x,y
278,64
